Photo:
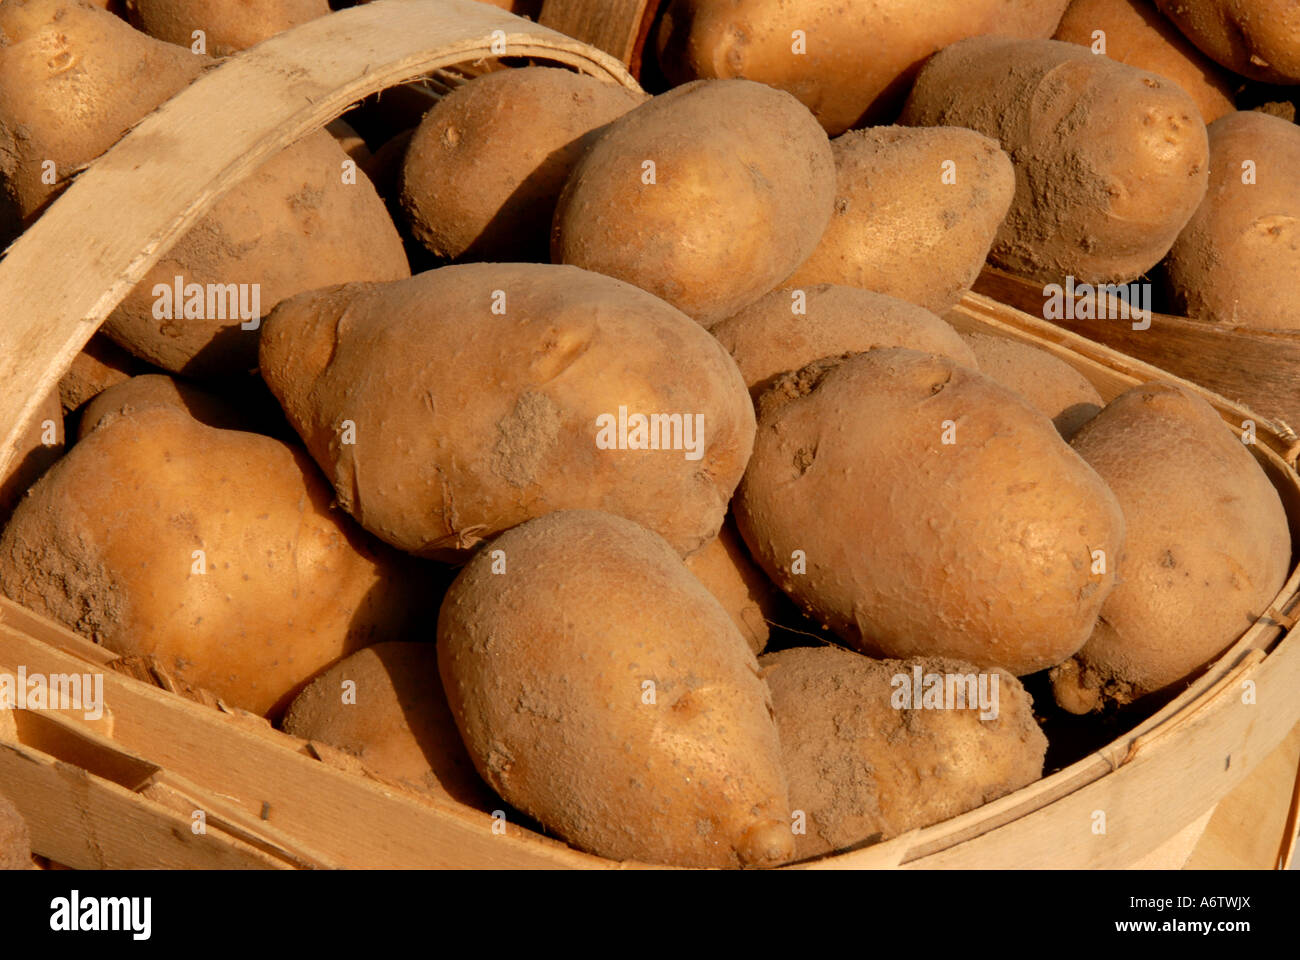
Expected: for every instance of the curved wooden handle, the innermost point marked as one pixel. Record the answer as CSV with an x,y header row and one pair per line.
x,y
95,243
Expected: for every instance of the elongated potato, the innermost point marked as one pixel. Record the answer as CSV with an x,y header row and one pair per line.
x,y
456,404
724,566
1259,39
916,508
847,62
384,705
1052,387
874,748
1110,161
227,25
1134,32
707,196
214,550
486,165
1238,260
1207,551
603,691
791,328
916,211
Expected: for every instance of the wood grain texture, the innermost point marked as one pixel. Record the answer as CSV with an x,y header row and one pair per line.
x,y
619,27
73,266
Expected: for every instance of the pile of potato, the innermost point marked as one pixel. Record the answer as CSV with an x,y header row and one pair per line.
x,y
624,390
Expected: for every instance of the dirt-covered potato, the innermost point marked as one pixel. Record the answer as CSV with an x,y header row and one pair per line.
x,y
73,79
215,551
1207,548
1110,161
602,690
724,566
1052,387
293,225
486,165
708,196
917,508
1134,32
874,748
1259,39
384,705
39,447
847,62
1237,262
227,25
791,328
916,211
15,842
100,364
456,404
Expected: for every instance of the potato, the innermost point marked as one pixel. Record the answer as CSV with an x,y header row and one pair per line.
x,y
848,63
726,570
915,213
1052,387
393,717
100,364
865,764
456,404
601,690
15,842
294,225
156,390
486,165
1237,261
215,551
917,508
1111,161
1207,551
73,79
1135,33
785,331
39,447
1259,39
707,196
228,25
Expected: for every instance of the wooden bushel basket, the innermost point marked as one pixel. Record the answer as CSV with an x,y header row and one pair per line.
x,y
125,790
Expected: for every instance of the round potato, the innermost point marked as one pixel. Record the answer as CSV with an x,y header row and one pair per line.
x,y
227,25
726,570
1238,260
960,524
791,328
1110,161
874,748
486,165
214,550
916,211
456,404
602,690
1259,39
1207,551
1052,387
708,196
848,62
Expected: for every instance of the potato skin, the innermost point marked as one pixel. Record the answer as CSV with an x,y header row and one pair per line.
x,y
1238,259
230,25
15,841
486,165
725,568
860,57
1052,387
899,228
399,725
768,338
861,768
545,669
470,421
1259,39
157,390
1207,550
105,542
100,364
980,549
743,183
293,225
1110,161
1138,35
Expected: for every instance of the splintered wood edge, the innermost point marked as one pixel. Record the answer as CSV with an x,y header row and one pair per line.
x,y
68,272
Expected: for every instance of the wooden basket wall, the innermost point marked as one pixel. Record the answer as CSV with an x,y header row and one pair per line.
x,y
123,791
